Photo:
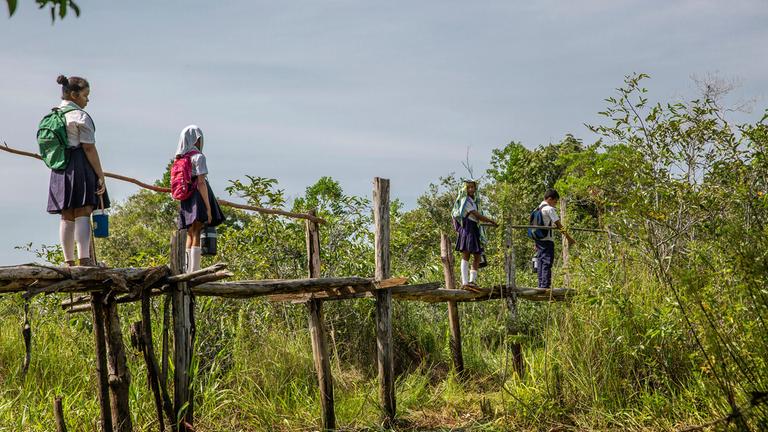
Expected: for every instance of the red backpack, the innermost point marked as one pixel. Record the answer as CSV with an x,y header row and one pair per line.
x,y
182,186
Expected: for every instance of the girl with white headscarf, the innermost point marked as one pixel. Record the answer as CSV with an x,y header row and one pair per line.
x,y
201,208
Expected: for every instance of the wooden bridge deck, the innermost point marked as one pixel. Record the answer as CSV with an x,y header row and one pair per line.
x,y
31,279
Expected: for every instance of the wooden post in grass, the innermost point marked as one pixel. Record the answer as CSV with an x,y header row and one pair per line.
x,y
111,362
58,415
183,336
383,299
511,297
446,256
317,331
100,348
566,246
117,365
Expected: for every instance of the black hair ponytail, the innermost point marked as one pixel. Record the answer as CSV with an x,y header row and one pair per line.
x,y
71,85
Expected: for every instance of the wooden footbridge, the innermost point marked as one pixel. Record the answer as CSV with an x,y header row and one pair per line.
x,y
100,290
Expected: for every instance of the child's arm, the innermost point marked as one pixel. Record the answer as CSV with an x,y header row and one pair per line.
x,y
482,218
570,239
93,158
203,188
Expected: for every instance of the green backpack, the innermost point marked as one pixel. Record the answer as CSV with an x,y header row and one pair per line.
x,y
52,138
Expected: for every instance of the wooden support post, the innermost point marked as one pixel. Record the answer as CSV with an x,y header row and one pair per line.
x,y
166,343
317,331
119,375
446,256
58,415
383,299
99,341
156,382
100,348
26,334
566,246
183,336
511,297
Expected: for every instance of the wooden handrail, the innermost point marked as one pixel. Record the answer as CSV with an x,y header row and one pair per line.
x,y
161,189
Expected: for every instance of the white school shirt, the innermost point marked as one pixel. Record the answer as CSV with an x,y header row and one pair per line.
x,y
199,165
550,216
468,207
80,127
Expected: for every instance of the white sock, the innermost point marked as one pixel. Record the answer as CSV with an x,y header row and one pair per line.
x,y
67,238
187,261
464,272
473,276
83,236
195,254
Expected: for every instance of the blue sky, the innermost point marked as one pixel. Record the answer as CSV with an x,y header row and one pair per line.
x,y
303,89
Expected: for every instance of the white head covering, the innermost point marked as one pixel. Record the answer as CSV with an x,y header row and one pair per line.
x,y
188,138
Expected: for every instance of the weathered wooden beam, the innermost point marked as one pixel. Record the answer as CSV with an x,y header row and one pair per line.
x,y
40,272
342,293
70,305
446,257
432,292
383,301
427,293
256,288
183,331
8,149
186,277
74,279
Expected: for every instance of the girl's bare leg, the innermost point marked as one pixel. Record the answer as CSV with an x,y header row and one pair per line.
x,y
193,234
475,262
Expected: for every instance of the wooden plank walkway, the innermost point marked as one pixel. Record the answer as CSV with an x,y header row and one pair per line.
x,y
33,279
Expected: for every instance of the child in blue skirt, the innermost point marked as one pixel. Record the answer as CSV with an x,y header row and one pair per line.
x,y
467,217
73,192
201,208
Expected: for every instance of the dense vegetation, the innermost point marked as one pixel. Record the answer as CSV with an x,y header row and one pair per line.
x,y
668,329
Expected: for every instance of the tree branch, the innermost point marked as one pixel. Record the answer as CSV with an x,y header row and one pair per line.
x,y
161,189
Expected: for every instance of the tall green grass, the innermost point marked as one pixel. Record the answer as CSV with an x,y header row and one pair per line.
x,y
616,356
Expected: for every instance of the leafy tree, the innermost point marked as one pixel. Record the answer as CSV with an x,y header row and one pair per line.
x,y
683,186
58,8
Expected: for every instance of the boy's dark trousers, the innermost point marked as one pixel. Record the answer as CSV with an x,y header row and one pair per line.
x,y
545,253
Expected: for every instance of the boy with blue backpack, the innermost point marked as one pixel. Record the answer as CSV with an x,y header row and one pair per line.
x,y
546,215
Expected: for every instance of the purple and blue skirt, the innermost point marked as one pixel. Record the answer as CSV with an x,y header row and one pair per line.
x,y
74,186
193,210
469,237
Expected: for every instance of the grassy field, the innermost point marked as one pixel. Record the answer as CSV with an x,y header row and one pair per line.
x,y
613,358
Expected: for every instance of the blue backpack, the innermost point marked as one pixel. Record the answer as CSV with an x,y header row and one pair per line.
x,y
537,218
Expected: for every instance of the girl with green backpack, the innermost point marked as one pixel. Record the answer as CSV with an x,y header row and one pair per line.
x,y
77,184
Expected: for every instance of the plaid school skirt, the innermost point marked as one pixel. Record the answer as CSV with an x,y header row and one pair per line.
x,y
193,209
74,186
469,237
